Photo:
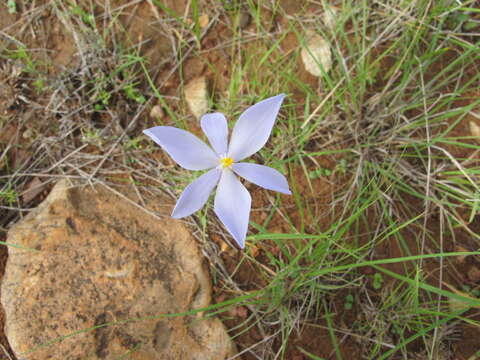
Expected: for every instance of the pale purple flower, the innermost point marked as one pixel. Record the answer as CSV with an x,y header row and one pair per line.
x,y
232,200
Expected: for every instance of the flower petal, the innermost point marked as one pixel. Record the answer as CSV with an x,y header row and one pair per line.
x,y
263,176
215,127
253,128
232,206
196,194
186,149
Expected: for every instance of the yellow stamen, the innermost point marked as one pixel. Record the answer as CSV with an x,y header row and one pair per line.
x,y
226,162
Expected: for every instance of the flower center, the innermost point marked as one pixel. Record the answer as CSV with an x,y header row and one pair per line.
x,y
226,162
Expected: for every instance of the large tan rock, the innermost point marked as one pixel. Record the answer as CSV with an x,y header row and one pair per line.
x,y
102,260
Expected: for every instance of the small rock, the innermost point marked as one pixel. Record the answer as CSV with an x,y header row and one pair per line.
x,y
102,260
196,96
474,129
316,54
28,134
157,112
203,20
